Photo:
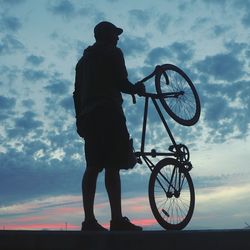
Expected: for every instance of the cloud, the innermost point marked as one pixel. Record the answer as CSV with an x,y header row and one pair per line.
x,y
182,51
200,23
28,103
62,8
10,23
227,199
9,75
39,153
216,181
53,151
58,86
219,30
50,213
217,109
12,2
9,44
163,22
59,108
225,67
6,106
23,125
67,103
236,48
157,56
112,1
176,52
44,213
139,17
246,20
183,6
215,2
34,75
90,12
133,46
7,103
243,5
35,60
28,121
225,108
35,168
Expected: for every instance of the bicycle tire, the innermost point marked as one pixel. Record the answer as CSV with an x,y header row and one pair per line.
x,y
185,108
180,209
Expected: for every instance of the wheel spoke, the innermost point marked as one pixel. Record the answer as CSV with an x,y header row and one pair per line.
x,y
184,108
172,209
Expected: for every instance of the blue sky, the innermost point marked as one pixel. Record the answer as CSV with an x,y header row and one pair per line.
x,y
41,156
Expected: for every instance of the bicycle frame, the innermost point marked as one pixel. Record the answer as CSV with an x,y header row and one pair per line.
x,y
179,154
142,153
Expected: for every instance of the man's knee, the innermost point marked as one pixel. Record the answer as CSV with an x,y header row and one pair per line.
x,y
111,172
91,171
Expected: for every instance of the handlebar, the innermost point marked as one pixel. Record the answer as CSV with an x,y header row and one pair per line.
x,y
158,70
150,95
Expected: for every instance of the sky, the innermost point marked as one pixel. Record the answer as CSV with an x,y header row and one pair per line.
x,y
41,155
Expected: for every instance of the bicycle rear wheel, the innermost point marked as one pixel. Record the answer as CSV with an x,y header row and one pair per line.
x,y
171,194
177,94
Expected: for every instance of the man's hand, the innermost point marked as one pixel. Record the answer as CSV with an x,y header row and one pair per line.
x,y
139,88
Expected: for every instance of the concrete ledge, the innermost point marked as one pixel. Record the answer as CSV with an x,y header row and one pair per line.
x,y
156,240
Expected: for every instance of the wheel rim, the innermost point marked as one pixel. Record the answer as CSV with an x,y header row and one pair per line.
x,y
184,107
171,208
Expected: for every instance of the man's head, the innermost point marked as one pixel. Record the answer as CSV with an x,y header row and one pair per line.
x,y
107,32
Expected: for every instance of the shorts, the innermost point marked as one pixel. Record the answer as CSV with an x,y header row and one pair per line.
x,y
107,143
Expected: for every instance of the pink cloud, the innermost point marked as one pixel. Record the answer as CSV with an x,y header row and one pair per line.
x,y
64,210
145,222
41,226
43,216
52,218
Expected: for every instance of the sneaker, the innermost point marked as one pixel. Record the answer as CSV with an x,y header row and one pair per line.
x,y
93,225
123,225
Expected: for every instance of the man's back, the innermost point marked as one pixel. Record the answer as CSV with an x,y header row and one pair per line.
x,y
99,75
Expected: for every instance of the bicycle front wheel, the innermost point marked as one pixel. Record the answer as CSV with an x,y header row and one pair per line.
x,y
171,194
177,94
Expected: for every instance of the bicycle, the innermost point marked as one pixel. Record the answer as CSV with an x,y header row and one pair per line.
x,y
171,191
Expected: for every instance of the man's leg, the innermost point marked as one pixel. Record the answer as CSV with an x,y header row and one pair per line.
x,y
113,186
88,192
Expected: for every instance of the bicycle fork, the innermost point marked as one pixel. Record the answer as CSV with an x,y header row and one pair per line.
x,y
174,185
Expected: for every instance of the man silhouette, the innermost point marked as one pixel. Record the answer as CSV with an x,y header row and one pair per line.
x,y
101,76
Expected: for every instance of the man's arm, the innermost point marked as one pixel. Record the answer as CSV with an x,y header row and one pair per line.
x,y
121,74
124,84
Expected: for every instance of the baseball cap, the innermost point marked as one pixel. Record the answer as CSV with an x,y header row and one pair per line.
x,y
104,29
